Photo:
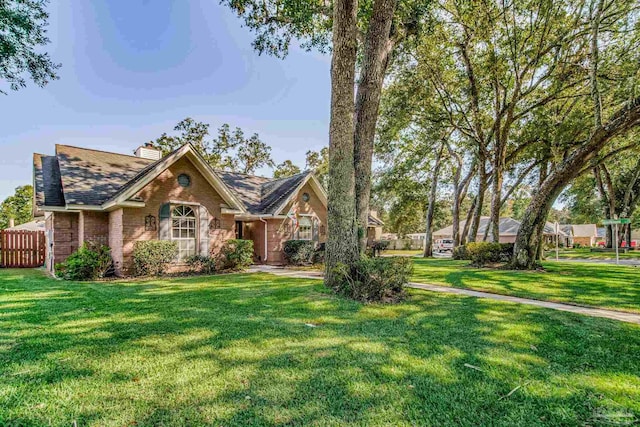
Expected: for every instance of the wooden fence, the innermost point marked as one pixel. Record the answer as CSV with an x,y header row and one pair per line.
x,y
22,248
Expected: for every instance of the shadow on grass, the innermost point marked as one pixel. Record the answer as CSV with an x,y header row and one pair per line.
x,y
238,350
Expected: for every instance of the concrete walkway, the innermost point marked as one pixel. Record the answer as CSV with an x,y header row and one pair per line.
x,y
623,261
587,311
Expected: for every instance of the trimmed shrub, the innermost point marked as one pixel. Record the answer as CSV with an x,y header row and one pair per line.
x,y
481,253
460,252
152,257
299,252
202,264
90,261
375,279
236,254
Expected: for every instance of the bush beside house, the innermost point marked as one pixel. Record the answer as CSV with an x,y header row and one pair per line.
x,y
90,261
299,252
152,257
202,264
236,254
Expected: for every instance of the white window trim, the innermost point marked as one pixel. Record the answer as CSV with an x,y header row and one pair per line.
x,y
311,217
191,206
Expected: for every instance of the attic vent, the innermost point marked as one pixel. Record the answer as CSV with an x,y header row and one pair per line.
x,y
148,151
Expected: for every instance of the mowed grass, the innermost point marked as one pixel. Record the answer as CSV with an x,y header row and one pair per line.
x,y
600,285
237,350
585,253
402,252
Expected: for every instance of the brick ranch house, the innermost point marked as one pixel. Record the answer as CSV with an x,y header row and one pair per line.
x,y
115,199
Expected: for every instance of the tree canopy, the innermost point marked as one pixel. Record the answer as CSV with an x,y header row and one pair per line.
x,y
286,169
230,150
23,32
17,207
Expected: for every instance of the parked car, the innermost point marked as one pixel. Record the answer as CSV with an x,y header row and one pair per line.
x,y
443,245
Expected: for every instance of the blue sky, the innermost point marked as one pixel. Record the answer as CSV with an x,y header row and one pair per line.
x,y
132,69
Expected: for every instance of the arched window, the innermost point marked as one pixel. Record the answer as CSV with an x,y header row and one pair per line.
x,y
183,230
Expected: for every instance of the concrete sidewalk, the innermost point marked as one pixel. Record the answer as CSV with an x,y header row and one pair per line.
x,y
587,311
623,261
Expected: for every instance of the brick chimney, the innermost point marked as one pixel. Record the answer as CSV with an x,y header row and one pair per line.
x,y
148,151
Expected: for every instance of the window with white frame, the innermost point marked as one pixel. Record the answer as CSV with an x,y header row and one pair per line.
x,y
305,228
183,230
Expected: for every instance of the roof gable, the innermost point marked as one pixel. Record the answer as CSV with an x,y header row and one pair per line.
x,y
148,174
584,230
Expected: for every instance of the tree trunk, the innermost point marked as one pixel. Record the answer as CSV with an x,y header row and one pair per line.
x,y
482,188
620,123
377,48
433,192
342,245
496,193
455,214
455,206
467,223
544,171
606,207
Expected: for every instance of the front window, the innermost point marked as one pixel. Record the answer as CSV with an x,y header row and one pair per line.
x,y
184,230
305,228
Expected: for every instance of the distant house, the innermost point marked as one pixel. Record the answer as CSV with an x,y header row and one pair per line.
x,y
508,230
374,228
35,225
118,200
582,234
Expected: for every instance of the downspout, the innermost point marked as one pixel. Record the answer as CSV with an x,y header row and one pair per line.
x,y
266,249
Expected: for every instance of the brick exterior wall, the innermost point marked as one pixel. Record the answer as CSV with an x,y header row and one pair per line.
x,y
121,228
93,227
279,230
162,190
64,236
115,240
583,241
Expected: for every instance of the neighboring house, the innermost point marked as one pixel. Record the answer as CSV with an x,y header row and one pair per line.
x,y
567,229
583,234
374,229
416,236
508,230
36,225
118,200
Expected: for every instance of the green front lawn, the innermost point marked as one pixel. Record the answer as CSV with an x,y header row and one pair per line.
x,y
402,252
585,253
599,285
255,349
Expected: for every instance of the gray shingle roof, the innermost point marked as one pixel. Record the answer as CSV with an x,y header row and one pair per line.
x,y
91,177
80,176
261,196
508,227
